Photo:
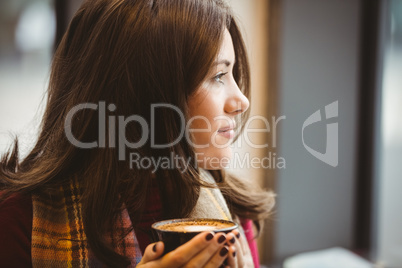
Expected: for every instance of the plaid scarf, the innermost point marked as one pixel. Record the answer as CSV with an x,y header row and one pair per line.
x,y
59,240
58,237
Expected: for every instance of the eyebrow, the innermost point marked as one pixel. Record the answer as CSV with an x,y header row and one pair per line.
x,y
226,62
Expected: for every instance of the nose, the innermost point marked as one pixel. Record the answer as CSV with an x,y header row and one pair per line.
x,y
236,102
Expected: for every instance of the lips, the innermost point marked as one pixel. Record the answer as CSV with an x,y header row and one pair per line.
x,y
227,131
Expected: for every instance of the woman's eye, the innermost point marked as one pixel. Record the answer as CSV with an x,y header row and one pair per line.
x,y
218,77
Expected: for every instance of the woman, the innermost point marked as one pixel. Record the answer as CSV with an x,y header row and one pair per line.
x,y
134,81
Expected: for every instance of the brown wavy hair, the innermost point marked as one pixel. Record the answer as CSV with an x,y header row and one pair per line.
x,y
131,54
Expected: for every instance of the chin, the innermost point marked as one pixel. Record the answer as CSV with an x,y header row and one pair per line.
x,y
216,159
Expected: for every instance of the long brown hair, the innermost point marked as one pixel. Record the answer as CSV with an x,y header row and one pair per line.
x,y
130,54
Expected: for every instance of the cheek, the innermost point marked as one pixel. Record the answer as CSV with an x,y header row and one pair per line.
x,y
213,150
201,121
201,128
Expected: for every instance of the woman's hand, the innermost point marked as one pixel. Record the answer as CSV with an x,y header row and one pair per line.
x,y
239,254
204,250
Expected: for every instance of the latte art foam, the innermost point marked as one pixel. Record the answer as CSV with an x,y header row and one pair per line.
x,y
194,226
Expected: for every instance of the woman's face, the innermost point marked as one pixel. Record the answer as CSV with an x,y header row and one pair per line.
x,y
213,108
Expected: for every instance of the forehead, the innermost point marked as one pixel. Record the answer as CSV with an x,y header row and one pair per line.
x,y
226,51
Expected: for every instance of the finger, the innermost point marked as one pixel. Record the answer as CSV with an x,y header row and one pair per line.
x,y
237,233
231,238
238,244
209,254
232,260
152,252
234,238
218,259
187,251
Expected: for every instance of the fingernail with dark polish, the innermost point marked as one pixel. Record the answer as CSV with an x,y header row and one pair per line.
x,y
226,262
234,254
154,248
223,251
209,236
238,235
222,266
221,239
233,240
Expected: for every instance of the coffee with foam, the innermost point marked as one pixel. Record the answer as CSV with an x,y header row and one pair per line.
x,y
176,232
195,226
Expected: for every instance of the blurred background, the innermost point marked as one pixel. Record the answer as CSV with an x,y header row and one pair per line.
x,y
326,73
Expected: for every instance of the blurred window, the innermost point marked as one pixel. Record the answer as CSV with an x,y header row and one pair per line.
x,y
389,157
27,33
